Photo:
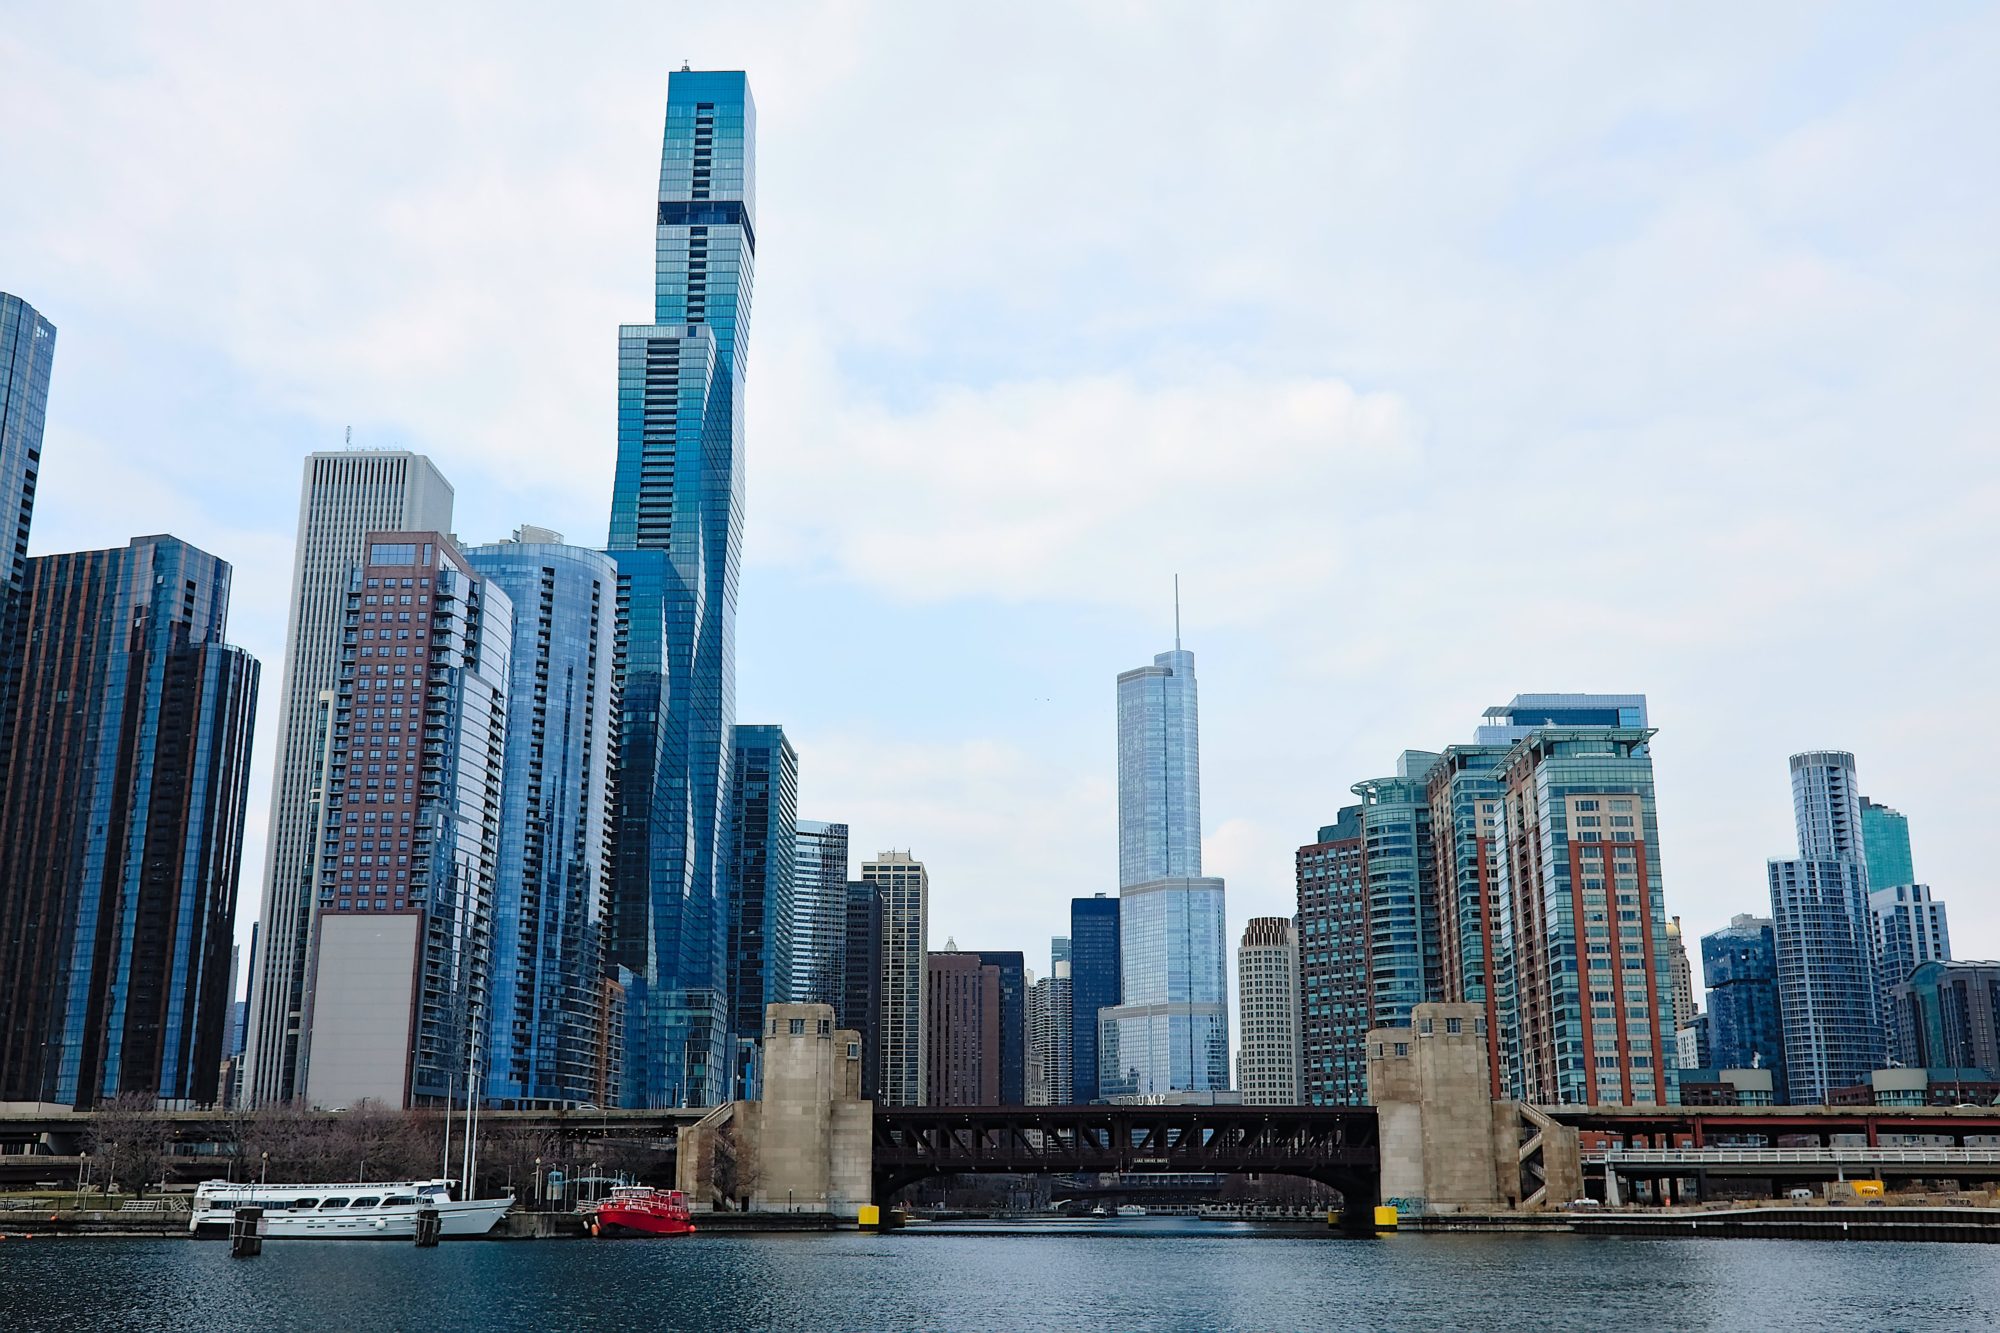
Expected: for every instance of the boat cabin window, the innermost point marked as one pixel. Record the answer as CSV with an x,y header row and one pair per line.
x,y
334,1203
305,1203
368,1201
399,1201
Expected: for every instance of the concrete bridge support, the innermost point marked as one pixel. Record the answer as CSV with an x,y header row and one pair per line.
x,y
1446,1145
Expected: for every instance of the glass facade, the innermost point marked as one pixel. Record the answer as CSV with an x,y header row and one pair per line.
x,y
860,1006
1744,1025
676,531
1885,845
1909,928
1399,871
1170,1032
553,878
819,913
1475,927
758,869
121,826
1159,771
1334,1009
1094,986
27,355
1948,1014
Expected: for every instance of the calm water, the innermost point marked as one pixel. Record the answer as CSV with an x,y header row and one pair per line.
x,y
1155,1274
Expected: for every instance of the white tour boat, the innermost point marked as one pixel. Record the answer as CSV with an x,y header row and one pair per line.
x,y
374,1210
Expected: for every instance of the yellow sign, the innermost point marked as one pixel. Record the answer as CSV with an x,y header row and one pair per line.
x,y
1385,1218
1867,1189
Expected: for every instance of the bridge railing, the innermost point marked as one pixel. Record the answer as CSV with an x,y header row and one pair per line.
x,y
1857,1156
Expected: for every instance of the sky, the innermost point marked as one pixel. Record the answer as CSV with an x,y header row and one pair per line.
x,y
1446,352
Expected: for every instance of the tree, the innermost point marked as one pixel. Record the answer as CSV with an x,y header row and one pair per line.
x,y
130,1140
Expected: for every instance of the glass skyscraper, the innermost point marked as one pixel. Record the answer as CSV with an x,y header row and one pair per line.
x,y
1399,869
121,826
1885,845
1827,976
1159,771
676,532
819,913
27,355
1094,986
553,878
1745,1028
758,870
1334,1009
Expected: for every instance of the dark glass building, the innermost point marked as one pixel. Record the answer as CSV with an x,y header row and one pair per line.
x,y
1094,985
758,864
27,353
1013,1023
1333,964
1949,1016
121,826
861,995
1746,1029
819,913
553,878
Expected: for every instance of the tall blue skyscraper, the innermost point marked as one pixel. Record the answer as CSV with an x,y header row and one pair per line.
x,y
27,354
1745,1027
1094,985
819,913
1159,771
1885,845
121,826
1399,871
546,1022
1827,975
676,532
758,868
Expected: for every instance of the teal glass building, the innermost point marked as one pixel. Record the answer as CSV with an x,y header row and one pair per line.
x,y
553,878
676,534
1399,871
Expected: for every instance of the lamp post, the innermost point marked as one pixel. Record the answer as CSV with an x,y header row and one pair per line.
x,y
263,1167
538,1184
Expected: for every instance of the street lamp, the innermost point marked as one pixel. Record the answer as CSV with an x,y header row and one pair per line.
x,y
538,1184
263,1167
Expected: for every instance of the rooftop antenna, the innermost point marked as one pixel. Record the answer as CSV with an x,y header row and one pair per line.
x,y
685,69
350,437
1177,613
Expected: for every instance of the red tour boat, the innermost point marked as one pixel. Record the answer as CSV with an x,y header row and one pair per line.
x,y
643,1208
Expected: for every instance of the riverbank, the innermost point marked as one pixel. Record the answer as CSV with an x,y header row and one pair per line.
x,y
1819,1222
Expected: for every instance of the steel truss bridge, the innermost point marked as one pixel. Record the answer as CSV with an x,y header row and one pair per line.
x,y
1336,1146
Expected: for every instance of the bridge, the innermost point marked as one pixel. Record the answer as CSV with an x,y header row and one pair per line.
x,y
1336,1146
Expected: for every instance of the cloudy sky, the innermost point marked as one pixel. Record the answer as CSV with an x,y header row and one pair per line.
x,y
1446,352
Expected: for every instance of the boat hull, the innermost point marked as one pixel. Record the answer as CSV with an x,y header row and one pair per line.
x,y
646,1223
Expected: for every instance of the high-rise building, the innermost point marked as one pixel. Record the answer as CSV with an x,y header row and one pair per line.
x,y
399,959
1399,869
121,826
676,532
1909,928
819,913
1058,949
1579,865
758,870
346,495
1885,845
906,907
1525,713
1094,987
1159,771
27,355
1051,1032
1013,1023
1949,1016
1744,1024
1475,929
1334,1009
1682,975
1828,984
961,1030
1267,997
552,882
860,1007
1169,1033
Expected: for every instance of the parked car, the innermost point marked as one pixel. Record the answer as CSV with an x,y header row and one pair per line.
x,y
1585,1203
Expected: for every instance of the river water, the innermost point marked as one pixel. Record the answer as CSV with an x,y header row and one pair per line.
x,y
1153,1273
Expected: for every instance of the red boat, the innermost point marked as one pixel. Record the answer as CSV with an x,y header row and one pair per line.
x,y
644,1209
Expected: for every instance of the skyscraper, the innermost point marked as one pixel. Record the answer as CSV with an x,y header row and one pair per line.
x,y
552,881
676,532
1685,1006
906,897
1828,986
860,1007
346,495
819,913
1949,1015
1475,926
1885,845
962,1036
1399,868
1578,861
1909,928
1159,771
1334,1009
1267,996
1013,1022
27,354
121,826
1051,1032
1745,1027
1094,987
758,869
399,956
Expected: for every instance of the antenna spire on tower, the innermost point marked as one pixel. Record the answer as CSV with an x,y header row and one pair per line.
x,y
1177,613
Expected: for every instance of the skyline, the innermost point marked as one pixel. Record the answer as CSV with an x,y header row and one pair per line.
x,y
213,408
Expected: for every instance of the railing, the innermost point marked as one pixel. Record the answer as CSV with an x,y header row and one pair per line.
x,y
1858,1156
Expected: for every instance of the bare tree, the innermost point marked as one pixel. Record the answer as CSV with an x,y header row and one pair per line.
x,y
131,1140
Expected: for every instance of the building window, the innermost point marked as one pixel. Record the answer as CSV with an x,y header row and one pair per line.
x,y
1454,1026
1402,1048
798,1027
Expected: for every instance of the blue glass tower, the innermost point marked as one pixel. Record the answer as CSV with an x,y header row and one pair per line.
x,y
1159,771
553,876
1399,870
676,533
759,867
1745,1027
1094,985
